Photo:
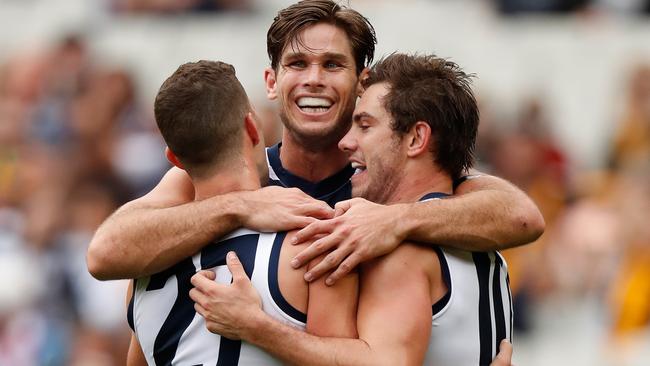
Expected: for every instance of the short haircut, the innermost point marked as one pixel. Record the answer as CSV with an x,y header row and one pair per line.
x,y
200,111
436,91
292,20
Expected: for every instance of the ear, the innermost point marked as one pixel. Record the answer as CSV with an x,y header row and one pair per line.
x,y
251,129
362,76
418,139
269,80
173,158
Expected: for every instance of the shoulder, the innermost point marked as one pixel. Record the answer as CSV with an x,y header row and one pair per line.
x,y
409,260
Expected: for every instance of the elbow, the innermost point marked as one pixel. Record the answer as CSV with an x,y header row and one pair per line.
x,y
536,225
530,223
99,261
95,260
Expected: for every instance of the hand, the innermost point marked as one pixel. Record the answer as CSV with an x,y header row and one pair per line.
x,y
360,231
280,209
504,358
228,309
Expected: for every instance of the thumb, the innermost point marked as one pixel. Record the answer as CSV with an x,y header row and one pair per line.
x,y
235,267
341,207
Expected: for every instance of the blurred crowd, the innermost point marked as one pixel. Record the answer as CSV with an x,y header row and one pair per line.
x,y
75,143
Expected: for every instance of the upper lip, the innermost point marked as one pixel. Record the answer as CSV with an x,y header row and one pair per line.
x,y
355,161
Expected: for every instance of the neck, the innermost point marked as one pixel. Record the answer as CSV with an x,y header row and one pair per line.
x,y
226,180
418,180
313,166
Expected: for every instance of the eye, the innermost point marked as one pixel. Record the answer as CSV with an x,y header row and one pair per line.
x,y
296,64
332,65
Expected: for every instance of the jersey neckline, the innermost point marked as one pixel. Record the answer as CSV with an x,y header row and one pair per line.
x,y
314,189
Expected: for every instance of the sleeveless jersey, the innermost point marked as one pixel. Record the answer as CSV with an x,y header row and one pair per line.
x,y
470,321
162,314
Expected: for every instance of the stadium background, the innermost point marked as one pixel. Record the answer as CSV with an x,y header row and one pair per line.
x,y
564,88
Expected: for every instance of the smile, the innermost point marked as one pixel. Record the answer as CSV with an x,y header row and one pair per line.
x,y
314,104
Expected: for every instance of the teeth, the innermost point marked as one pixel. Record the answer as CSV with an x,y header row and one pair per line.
x,y
359,168
307,102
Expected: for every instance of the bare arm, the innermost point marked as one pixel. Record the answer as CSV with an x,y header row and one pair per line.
x,y
332,310
134,356
487,213
153,232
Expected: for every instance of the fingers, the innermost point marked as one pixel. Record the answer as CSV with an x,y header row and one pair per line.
x,y
198,297
202,281
313,229
207,274
504,358
200,309
351,262
318,210
328,263
316,248
236,268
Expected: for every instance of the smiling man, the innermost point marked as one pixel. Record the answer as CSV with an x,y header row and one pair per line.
x,y
414,132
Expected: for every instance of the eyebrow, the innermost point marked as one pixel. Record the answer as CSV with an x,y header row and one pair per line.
x,y
357,117
328,55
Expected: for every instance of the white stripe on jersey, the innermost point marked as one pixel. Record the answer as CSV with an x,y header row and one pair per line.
x,y
272,174
455,329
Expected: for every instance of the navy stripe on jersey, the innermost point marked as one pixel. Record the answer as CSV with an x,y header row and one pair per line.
x,y
245,246
229,351
331,190
274,285
182,312
434,195
214,255
129,310
444,266
482,262
499,316
179,318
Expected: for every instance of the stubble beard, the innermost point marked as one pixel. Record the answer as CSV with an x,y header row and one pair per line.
x,y
322,140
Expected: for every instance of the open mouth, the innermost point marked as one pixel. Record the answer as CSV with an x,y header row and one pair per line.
x,y
314,104
358,168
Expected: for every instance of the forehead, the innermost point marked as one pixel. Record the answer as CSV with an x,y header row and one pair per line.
x,y
319,38
371,101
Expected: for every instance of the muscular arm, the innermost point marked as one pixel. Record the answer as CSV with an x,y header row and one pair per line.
x,y
142,237
486,213
134,356
152,233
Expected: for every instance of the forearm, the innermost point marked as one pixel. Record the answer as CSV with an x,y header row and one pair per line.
x,y
299,348
139,240
490,219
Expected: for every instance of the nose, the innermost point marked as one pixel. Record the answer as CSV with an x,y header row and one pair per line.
x,y
314,75
348,143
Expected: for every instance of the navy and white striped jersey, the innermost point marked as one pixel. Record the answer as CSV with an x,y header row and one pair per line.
x,y
470,321
169,330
